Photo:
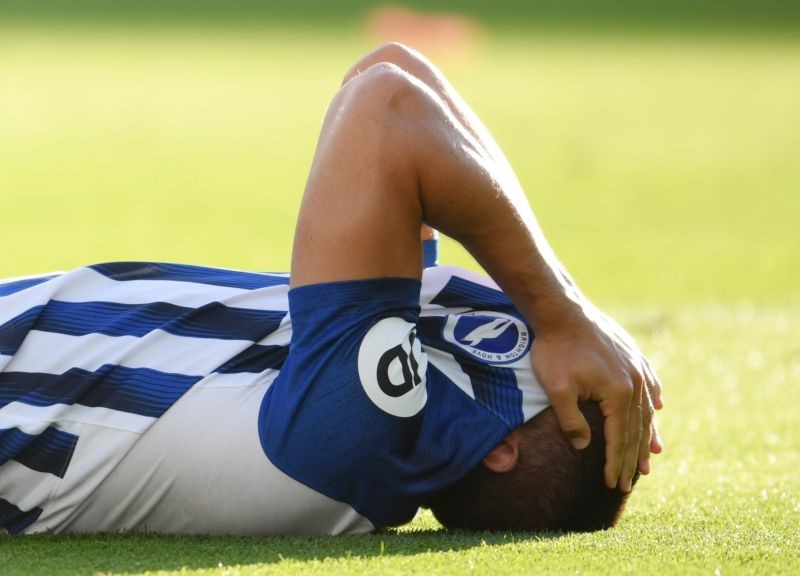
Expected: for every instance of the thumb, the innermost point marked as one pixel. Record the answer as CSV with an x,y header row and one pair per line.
x,y
572,422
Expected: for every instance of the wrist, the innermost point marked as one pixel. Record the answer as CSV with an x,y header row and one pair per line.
x,y
558,308
554,311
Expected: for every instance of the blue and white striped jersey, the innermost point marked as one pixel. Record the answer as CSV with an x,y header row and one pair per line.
x,y
133,397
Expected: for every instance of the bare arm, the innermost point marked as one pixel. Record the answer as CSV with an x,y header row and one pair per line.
x,y
393,155
579,353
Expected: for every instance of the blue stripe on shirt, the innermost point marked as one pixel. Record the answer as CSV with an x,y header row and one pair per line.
x,y
49,452
124,271
9,288
141,391
255,359
15,520
459,293
495,387
13,332
214,320
430,253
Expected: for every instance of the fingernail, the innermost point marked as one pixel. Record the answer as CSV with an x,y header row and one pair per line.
x,y
579,443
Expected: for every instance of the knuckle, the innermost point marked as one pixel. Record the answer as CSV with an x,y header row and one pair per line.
x,y
625,390
571,426
569,419
560,391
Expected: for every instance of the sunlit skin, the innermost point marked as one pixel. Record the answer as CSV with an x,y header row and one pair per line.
x,y
401,152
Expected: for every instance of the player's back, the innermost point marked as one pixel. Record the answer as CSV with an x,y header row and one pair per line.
x,y
92,360
201,469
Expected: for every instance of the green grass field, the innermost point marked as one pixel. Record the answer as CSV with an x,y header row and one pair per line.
x,y
665,171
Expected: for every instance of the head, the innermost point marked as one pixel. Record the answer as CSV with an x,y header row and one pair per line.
x,y
536,480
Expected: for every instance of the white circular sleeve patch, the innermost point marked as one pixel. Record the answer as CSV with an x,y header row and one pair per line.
x,y
392,367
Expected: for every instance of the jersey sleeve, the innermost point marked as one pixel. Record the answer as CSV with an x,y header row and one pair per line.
x,y
359,414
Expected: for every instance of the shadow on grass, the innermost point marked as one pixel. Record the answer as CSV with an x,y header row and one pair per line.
x,y
126,553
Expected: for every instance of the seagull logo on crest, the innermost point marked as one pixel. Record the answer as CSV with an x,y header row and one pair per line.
x,y
490,336
492,329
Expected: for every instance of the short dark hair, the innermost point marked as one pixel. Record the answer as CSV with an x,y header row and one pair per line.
x,y
553,487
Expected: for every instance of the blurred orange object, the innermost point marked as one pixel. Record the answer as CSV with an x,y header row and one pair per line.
x,y
444,36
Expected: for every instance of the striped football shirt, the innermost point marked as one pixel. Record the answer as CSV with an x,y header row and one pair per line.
x,y
132,395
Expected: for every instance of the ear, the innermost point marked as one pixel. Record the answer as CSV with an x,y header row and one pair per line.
x,y
505,456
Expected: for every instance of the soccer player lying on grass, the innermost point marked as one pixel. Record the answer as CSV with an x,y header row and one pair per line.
x,y
182,399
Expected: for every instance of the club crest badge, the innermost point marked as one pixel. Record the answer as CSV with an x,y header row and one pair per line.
x,y
492,337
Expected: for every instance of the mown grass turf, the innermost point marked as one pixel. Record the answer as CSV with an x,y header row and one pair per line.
x,y
664,171
725,497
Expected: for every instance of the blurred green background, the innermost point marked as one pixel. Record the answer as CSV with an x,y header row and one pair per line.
x,y
684,14
658,142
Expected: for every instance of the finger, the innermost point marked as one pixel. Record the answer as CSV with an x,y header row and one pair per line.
x,y
615,430
653,386
644,443
635,423
656,445
565,404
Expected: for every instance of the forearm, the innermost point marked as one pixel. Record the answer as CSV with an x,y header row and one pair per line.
x,y
518,257
488,213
